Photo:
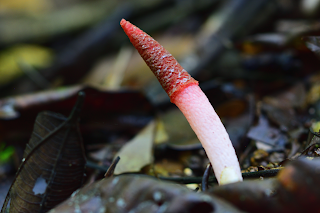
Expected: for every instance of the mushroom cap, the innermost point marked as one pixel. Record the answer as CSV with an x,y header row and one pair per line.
x,y
164,66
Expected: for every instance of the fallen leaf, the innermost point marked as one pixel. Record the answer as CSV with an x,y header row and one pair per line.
x,y
294,97
137,153
264,132
299,185
53,163
123,112
250,196
138,194
294,190
161,133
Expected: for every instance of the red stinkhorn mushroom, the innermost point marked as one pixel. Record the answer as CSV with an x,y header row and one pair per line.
x,y
184,91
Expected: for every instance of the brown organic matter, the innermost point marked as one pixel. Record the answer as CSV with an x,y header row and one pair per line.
x,y
53,163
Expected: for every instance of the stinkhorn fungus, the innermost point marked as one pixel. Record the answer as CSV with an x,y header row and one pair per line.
x,y
184,91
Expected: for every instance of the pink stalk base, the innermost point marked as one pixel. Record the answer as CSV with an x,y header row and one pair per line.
x,y
195,106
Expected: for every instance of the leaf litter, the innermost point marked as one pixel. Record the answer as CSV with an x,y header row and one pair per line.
x,y
137,153
55,147
268,57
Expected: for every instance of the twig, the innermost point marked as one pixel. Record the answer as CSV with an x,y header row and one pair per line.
x,y
205,178
187,180
112,167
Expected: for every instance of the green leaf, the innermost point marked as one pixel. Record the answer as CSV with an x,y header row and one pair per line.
x,y
5,152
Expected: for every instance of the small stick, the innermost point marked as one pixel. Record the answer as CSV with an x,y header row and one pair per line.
x,y
112,167
205,178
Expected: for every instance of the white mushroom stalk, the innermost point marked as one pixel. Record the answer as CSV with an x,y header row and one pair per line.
x,y
184,91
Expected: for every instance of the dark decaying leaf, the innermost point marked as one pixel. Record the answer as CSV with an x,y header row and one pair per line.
x,y
53,163
299,185
104,112
250,196
296,189
140,194
267,134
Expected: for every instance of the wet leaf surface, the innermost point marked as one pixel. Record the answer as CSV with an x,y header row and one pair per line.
x,y
299,185
250,196
296,189
140,194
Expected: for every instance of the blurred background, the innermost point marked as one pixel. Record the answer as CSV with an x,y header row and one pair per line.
x,y
50,43
257,61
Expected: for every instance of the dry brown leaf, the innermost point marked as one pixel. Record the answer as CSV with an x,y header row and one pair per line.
x,y
137,153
